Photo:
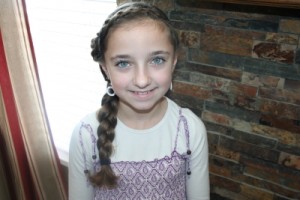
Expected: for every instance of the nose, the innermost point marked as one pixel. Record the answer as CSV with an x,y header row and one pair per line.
x,y
141,77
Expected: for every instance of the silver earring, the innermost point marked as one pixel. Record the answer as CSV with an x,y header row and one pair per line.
x,y
171,86
110,91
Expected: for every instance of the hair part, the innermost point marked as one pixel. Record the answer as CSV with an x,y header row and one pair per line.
x,y
107,115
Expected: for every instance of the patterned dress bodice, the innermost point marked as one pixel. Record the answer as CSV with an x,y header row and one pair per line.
x,y
163,178
159,179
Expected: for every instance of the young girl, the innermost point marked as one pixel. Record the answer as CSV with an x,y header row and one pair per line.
x,y
140,144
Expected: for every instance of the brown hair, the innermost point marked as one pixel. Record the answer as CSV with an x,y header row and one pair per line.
x,y
107,115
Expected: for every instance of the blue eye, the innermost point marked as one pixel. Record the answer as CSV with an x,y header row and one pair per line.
x,y
122,64
158,61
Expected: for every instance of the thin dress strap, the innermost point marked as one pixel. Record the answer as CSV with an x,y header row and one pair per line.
x,y
182,120
89,129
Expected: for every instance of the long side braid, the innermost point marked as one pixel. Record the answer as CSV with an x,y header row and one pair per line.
x,y
107,115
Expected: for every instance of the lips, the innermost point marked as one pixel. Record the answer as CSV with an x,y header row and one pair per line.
x,y
142,93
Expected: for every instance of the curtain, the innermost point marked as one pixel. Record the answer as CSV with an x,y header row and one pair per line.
x,y
28,160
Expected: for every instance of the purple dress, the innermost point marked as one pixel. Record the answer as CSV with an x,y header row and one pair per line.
x,y
163,178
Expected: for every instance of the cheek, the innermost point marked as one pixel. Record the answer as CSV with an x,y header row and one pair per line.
x,y
164,76
119,82
163,79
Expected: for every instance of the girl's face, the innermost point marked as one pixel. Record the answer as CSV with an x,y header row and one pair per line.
x,y
139,62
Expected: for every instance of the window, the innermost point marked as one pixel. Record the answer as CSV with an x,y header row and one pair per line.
x,y
71,81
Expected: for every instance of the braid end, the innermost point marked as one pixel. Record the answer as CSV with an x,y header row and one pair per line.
x,y
105,178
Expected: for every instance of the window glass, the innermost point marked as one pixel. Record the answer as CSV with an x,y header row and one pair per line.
x,y
71,81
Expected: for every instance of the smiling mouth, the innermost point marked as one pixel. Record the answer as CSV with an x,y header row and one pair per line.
x,y
143,92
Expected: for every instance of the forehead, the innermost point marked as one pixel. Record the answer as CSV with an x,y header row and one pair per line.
x,y
136,27
133,25
139,37
142,22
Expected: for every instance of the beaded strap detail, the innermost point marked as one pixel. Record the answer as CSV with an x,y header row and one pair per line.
x,y
183,120
89,129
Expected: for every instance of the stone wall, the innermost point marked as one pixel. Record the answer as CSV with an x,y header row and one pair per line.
x,y
239,71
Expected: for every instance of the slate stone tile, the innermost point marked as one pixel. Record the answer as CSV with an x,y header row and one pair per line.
x,y
251,24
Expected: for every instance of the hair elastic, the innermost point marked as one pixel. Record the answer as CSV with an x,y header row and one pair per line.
x,y
105,162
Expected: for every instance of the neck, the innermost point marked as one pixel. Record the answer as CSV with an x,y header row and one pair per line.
x,y
144,119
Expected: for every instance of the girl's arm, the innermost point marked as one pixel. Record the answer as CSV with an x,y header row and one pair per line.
x,y
80,146
198,181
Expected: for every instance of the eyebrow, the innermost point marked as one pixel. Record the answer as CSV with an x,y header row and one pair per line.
x,y
120,56
125,56
159,52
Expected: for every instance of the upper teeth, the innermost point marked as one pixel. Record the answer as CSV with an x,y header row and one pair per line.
x,y
145,92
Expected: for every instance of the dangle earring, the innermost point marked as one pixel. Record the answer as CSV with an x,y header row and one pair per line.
x,y
171,86
110,91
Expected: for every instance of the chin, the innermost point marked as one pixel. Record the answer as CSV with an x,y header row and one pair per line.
x,y
143,107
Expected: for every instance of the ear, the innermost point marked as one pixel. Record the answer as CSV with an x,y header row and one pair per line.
x,y
104,70
103,67
174,62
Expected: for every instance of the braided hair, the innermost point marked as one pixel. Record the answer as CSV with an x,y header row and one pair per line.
x,y
107,115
